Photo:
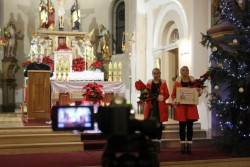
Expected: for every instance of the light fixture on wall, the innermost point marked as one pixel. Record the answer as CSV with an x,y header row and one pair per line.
x,y
127,44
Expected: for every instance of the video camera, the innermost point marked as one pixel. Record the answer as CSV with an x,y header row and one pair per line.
x,y
129,141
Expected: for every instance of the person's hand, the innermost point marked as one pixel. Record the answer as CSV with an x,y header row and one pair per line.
x,y
160,98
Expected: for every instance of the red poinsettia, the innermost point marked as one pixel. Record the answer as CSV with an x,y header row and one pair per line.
x,y
145,93
199,83
96,65
92,92
25,63
78,64
49,61
139,85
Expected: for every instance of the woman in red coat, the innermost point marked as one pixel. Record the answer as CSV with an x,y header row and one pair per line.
x,y
186,114
157,107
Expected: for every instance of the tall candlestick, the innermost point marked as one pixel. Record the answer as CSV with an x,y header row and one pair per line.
x,y
115,71
110,72
92,54
85,58
120,71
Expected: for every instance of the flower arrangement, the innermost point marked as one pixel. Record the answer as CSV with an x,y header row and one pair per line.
x,y
26,63
96,65
145,93
78,64
92,92
49,61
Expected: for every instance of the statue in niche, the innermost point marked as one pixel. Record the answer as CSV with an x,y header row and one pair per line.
x,y
51,16
10,35
61,13
104,42
43,14
75,16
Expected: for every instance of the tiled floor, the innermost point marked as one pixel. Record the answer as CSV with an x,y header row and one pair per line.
x,y
10,119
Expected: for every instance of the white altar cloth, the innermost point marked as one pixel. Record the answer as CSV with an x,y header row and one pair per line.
x,y
76,91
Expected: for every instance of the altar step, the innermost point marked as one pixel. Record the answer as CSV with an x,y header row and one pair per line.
x,y
33,139
170,137
27,140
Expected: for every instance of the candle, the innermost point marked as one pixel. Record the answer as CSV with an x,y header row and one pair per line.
x,y
85,58
92,53
115,71
110,66
120,71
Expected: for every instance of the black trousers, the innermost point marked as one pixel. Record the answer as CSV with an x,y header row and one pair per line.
x,y
154,113
182,128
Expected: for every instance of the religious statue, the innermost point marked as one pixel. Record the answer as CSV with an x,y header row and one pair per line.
x,y
61,13
75,16
34,44
10,35
104,41
43,14
51,16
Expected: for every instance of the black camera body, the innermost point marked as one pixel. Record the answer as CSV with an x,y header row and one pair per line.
x,y
129,143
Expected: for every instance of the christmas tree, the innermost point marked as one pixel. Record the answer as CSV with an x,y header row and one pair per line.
x,y
230,77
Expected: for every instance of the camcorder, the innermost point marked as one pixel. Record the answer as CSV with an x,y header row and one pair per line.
x,y
129,141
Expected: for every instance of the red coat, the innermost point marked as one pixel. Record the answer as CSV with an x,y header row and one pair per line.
x,y
162,105
184,111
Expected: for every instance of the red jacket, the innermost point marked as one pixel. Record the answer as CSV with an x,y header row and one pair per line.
x,y
162,105
184,111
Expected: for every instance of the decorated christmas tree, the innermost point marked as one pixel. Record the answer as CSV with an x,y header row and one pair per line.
x,y
230,76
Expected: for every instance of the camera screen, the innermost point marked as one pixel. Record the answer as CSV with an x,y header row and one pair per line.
x,y
72,118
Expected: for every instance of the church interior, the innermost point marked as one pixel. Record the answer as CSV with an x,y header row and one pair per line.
x,y
96,52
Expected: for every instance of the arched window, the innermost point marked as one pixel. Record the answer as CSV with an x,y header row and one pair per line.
x,y
118,26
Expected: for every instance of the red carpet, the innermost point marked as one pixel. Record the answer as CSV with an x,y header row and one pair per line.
x,y
89,158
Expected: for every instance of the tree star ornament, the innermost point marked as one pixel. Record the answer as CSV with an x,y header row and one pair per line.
x,y
216,87
241,90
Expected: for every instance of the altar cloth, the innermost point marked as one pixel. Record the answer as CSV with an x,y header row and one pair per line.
x,y
76,91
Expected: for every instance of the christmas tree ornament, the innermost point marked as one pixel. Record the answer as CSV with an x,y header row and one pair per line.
x,y
235,41
216,87
214,49
240,122
241,90
219,64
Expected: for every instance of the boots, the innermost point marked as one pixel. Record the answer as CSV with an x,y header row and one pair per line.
x,y
183,147
189,147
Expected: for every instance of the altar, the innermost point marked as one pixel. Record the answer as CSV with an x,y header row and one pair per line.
x,y
75,88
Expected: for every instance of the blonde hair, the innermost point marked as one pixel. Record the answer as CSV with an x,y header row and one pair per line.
x,y
184,67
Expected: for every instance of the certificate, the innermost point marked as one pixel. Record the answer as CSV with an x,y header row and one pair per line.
x,y
187,95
